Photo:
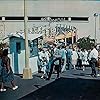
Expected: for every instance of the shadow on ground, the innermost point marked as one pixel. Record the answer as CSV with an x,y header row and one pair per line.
x,y
67,89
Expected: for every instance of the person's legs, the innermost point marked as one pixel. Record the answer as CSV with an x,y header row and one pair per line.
x,y
3,70
52,65
51,70
57,67
98,72
2,87
93,70
39,65
62,65
59,64
13,85
79,63
44,72
70,63
92,63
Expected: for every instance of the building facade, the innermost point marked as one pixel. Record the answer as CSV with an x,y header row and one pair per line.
x,y
80,12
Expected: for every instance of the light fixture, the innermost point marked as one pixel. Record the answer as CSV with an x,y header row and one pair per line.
x,y
3,18
69,19
95,16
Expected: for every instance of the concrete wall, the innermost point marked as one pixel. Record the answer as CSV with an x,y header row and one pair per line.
x,y
53,8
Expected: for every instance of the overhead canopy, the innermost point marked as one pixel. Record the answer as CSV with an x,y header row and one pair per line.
x,y
66,35
49,40
61,36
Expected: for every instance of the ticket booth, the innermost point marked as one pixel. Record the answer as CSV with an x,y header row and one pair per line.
x,y
17,52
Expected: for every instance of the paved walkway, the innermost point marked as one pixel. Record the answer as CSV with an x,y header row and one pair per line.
x,y
30,86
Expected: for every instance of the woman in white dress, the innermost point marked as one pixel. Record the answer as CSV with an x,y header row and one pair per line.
x,y
74,58
84,58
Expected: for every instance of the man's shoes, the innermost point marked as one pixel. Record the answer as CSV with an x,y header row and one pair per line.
x,y
14,88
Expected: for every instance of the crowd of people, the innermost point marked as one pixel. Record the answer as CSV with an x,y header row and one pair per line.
x,y
59,58
56,58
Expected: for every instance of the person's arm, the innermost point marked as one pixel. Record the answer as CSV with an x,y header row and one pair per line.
x,y
8,65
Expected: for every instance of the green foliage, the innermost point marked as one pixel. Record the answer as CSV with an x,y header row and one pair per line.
x,y
85,42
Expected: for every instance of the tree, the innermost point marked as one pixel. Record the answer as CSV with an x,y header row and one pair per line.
x,y
85,42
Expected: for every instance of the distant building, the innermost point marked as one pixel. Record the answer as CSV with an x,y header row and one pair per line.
x,y
77,13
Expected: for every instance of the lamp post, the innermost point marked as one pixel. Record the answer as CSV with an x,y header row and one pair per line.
x,y
69,20
27,74
95,16
3,19
49,20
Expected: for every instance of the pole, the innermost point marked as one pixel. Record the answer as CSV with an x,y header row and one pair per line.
x,y
27,74
99,21
76,37
48,18
72,37
95,31
95,16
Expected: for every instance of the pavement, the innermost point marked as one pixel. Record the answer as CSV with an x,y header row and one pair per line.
x,y
72,85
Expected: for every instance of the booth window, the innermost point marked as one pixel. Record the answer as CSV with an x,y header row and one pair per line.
x,y
18,47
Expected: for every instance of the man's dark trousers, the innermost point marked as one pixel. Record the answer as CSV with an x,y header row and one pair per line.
x,y
52,65
93,63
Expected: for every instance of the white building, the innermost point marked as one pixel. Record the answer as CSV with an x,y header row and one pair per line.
x,y
10,10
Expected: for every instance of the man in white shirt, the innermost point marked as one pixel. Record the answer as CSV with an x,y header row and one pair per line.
x,y
93,58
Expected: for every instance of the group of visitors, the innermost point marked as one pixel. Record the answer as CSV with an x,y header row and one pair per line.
x,y
60,58
57,58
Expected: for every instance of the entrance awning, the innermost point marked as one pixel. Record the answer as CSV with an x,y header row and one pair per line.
x,y
61,36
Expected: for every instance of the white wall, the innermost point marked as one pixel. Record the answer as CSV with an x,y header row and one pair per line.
x,y
21,64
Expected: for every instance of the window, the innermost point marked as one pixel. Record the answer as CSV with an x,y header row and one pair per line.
x,y
34,18
0,18
14,18
79,18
